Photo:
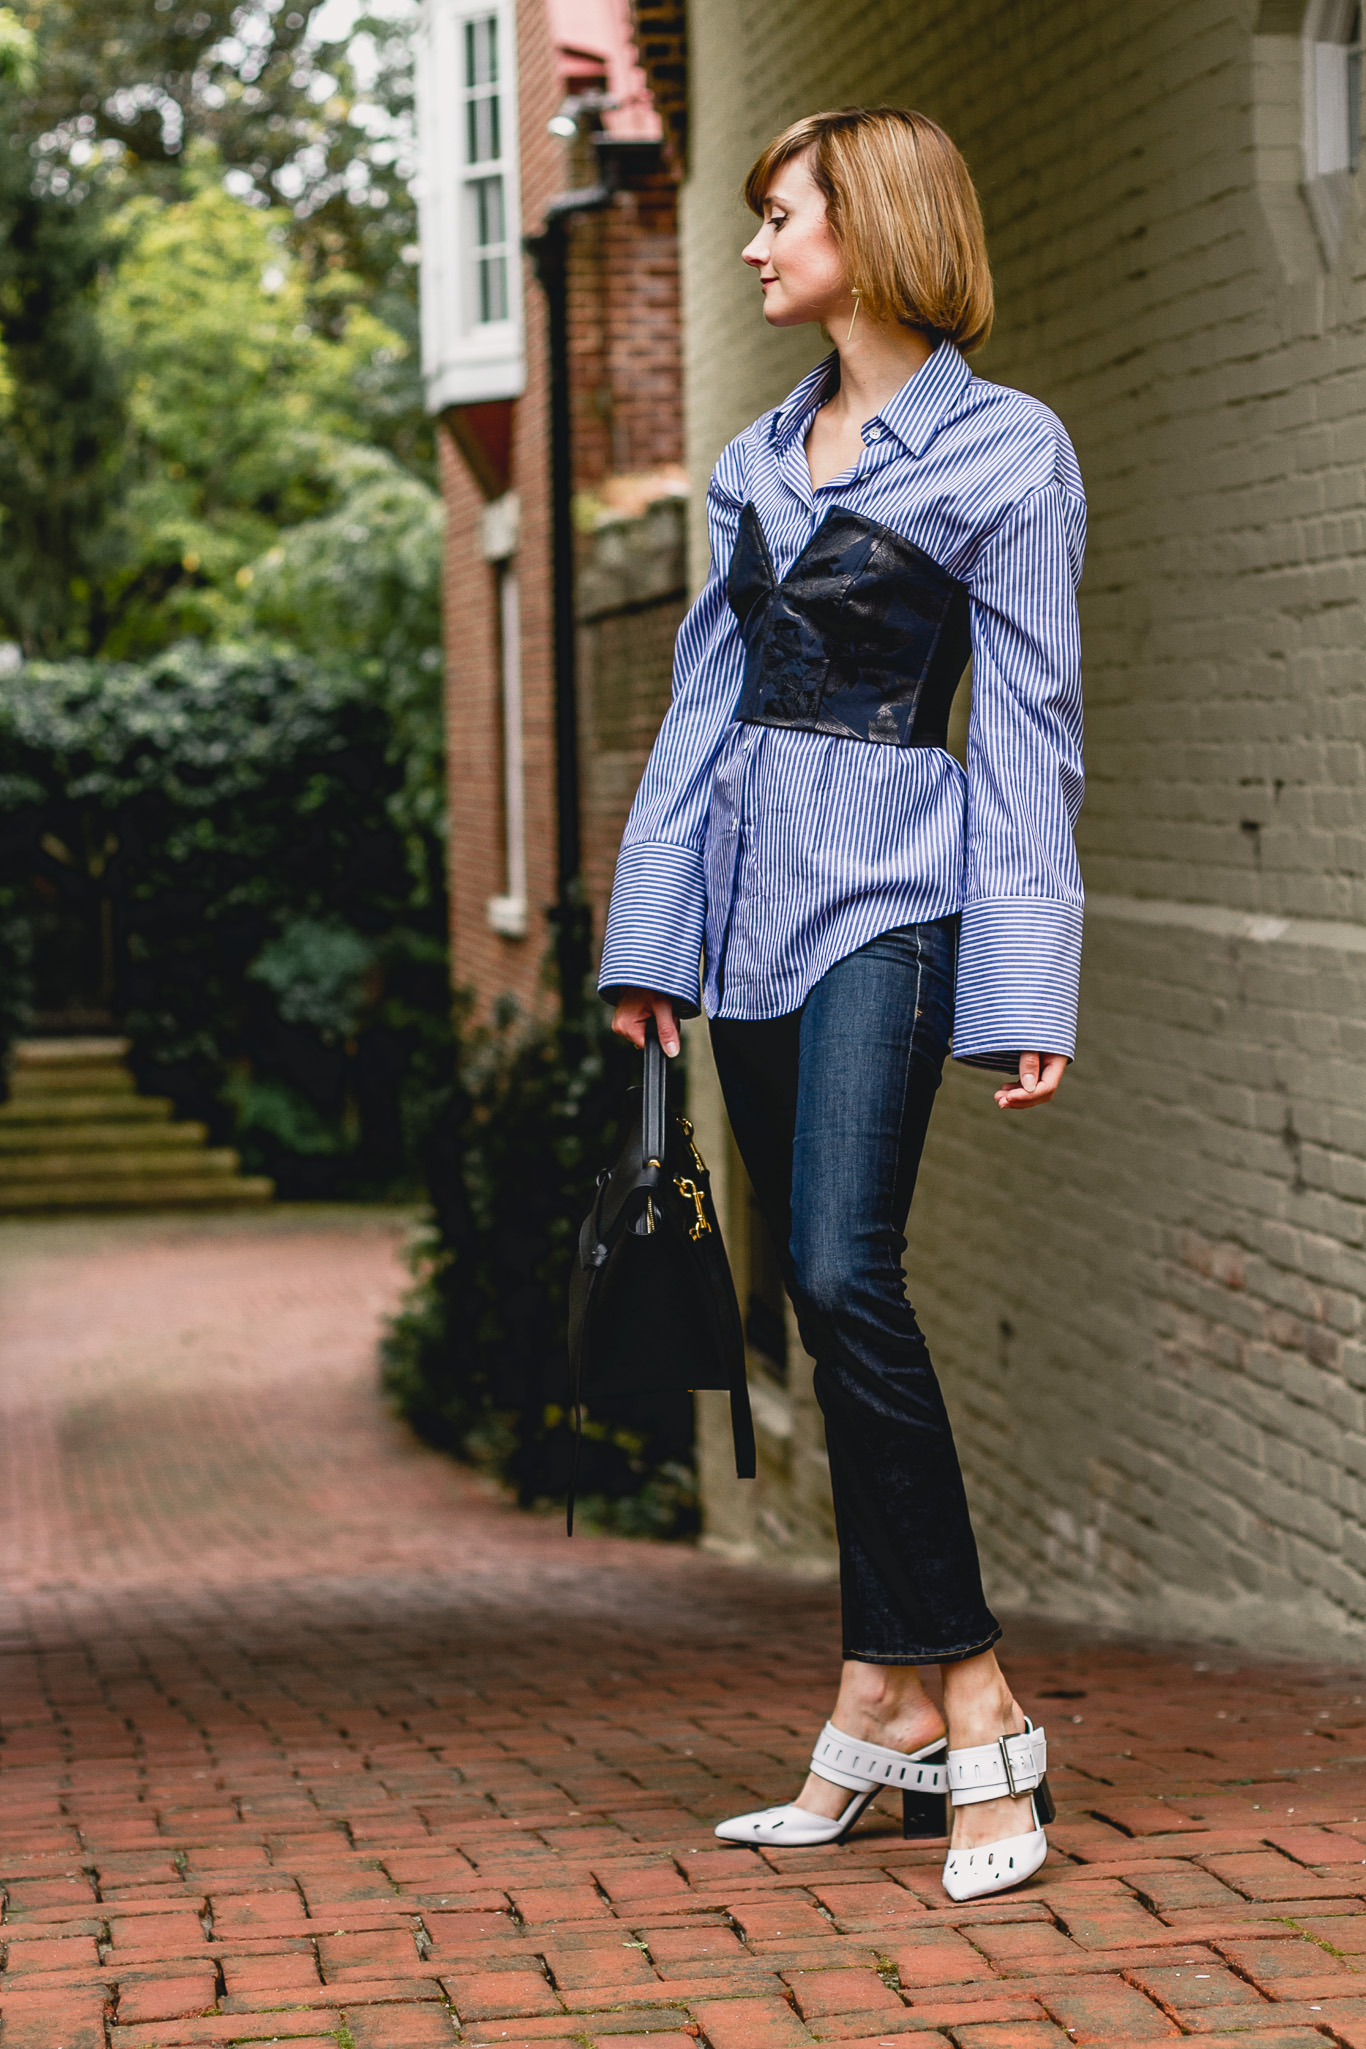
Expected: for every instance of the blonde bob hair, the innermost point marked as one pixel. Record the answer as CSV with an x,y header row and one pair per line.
x,y
902,206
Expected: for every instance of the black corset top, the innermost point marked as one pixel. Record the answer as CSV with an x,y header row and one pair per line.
x,y
866,636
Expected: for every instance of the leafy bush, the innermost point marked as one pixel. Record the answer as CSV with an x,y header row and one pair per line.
x,y
226,819
360,588
476,1359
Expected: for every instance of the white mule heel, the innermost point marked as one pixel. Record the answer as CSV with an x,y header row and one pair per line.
x,y
993,1771
866,1769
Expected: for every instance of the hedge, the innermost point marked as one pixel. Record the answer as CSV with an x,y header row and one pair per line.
x,y
275,920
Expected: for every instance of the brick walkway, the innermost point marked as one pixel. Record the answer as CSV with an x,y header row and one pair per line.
x,y
309,1740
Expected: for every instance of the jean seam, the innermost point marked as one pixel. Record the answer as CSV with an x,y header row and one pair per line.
x,y
897,1271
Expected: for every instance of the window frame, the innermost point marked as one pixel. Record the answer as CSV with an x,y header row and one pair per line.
x,y
1326,39
466,360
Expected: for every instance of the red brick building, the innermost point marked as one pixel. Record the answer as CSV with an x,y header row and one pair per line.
x,y
536,127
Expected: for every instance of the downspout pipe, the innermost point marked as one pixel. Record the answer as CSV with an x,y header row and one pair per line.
x,y
549,253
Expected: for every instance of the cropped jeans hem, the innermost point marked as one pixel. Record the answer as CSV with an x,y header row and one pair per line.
x,y
951,1657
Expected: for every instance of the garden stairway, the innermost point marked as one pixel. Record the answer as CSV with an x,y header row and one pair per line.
x,y
75,1135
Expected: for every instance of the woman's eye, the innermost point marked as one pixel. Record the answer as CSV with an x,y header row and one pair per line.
x,y
775,220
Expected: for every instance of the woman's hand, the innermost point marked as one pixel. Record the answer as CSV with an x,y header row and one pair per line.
x,y
635,1009
1040,1074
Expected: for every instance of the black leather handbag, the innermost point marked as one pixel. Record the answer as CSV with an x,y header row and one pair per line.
x,y
652,1306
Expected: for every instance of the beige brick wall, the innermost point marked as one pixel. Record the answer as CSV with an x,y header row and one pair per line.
x,y
1146,1303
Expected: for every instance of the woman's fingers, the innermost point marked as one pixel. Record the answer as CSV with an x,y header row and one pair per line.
x,y
634,1012
667,1023
1040,1074
628,1020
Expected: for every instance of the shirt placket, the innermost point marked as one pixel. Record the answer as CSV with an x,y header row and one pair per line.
x,y
880,447
740,879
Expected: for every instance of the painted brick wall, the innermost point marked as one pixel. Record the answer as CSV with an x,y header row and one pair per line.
x,y
625,340
1146,1303
631,596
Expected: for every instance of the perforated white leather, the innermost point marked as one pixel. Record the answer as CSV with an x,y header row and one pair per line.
x,y
845,1762
972,1874
795,1827
994,1771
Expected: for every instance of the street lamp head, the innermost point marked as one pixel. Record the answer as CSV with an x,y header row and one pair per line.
x,y
565,123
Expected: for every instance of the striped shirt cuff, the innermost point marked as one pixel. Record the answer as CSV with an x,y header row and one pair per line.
x,y
655,924
1019,965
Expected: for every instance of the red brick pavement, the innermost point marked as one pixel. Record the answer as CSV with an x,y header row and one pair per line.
x,y
308,1739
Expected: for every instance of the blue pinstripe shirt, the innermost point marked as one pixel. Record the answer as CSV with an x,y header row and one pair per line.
x,y
773,852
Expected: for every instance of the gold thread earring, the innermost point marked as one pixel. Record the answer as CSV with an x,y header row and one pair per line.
x,y
857,303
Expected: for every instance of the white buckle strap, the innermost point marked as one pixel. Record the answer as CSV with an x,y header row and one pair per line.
x,y
858,1766
997,1771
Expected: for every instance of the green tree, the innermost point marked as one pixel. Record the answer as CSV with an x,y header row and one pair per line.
x,y
360,589
104,102
323,128
239,410
60,421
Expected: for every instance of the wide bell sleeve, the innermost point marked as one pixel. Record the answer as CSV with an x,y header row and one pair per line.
x,y
1019,957
657,915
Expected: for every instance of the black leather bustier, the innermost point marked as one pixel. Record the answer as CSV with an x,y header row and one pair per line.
x,y
865,636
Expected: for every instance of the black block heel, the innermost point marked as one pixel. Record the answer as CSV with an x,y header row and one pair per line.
x,y
923,1815
1045,1808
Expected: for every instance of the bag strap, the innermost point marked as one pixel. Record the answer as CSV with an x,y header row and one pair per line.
x,y
652,1141
655,1107
742,1424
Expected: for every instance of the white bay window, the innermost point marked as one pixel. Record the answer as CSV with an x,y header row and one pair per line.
x,y
468,203
1331,43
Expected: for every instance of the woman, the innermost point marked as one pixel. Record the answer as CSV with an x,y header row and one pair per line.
x,y
858,897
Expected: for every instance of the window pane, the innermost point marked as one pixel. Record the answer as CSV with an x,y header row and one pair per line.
x,y
488,241
482,130
493,289
481,51
1331,70
488,211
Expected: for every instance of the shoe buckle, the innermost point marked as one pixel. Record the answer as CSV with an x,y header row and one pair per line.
x,y
1009,1772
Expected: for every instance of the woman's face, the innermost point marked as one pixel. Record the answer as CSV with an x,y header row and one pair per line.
x,y
800,264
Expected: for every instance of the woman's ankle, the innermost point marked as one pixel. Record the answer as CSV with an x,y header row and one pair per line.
x,y
978,1703
886,1704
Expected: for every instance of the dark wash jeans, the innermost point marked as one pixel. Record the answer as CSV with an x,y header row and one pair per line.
x,y
830,1106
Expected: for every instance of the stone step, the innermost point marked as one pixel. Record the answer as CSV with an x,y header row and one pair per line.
x,y
141,1136
111,1167
76,1135
85,1109
185,1191
39,1084
58,1053
52,1066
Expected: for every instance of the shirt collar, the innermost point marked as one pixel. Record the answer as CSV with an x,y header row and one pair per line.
x,y
912,415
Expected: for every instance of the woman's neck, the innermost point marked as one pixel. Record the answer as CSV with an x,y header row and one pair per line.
x,y
875,361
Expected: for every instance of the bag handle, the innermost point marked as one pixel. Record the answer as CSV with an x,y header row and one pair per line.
x,y
656,1068
652,1139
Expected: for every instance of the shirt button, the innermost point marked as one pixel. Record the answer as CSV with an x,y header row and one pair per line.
x,y
872,434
